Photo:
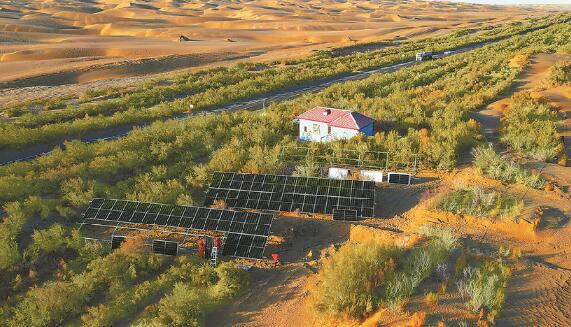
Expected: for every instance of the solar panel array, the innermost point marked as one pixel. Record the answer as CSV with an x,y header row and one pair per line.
x,y
255,226
291,193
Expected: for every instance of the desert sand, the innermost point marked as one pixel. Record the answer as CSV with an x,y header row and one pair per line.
x,y
56,42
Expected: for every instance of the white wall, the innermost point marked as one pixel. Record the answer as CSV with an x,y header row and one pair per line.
x,y
343,133
311,135
372,175
338,173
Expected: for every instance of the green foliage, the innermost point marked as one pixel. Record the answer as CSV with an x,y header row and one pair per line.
x,y
530,128
50,304
349,281
53,303
476,201
77,192
183,307
488,162
202,290
485,286
560,73
419,264
12,224
53,240
361,276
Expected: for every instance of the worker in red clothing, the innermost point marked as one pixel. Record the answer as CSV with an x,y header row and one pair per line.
x,y
201,248
277,259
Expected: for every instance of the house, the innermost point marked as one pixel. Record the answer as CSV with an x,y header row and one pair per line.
x,y
324,124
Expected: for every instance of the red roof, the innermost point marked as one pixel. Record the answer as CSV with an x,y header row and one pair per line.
x,y
337,117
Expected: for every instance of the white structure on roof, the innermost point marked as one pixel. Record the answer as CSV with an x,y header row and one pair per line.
x,y
324,124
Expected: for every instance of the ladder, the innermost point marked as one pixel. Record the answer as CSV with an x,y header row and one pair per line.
x,y
214,256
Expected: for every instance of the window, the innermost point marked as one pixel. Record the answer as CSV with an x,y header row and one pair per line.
x,y
328,129
316,129
305,129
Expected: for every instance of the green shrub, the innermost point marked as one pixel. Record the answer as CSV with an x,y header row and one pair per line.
x,y
361,276
530,128
420,263
485,287
488,162
349,281
52,241
476,201
560,73
200,290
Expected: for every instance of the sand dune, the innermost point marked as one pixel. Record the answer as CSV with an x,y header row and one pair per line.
x,y
61,33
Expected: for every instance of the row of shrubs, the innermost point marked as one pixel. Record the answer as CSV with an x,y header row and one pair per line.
x,y
490,163
360,277
119,285
479,202
222,86
530,128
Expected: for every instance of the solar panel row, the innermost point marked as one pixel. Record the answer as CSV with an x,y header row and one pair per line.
x,y
246,230
242,181
291,193
197,218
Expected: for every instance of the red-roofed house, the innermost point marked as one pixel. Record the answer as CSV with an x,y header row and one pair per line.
x,y
324,124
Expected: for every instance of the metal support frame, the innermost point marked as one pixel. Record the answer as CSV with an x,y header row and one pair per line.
x,y
342,157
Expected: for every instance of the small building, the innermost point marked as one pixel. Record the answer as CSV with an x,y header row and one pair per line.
x,y
325,124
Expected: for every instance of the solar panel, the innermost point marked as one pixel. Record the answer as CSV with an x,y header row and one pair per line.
x,y
252,224
399,178
165,247
116,241
246,246
291,193
344,214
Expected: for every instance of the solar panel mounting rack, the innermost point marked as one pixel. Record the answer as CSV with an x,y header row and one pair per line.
x,y
291,193
245,229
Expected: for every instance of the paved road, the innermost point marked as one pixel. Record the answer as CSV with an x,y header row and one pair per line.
x,y
254,103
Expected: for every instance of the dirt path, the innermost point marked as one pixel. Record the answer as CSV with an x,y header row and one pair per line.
x,y
275,298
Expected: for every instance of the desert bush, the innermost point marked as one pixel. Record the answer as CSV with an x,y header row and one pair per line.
x,y
51,241
488,162
183,307
201,290
445,236
530,128
484,287
54,302
560,73
349,280
419,264
476,201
